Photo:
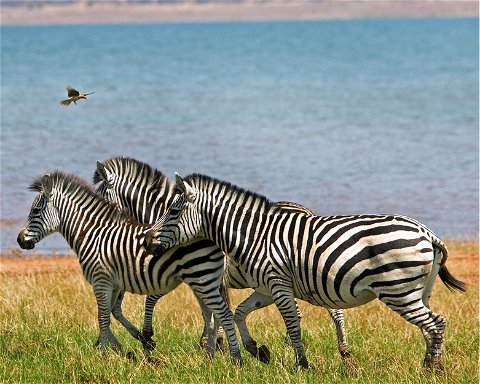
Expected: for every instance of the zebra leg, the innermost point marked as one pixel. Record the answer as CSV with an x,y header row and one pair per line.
x,y
118,315
212,335
338,317
207,340
431,324
147,330
216,304
299,314
105,295
206,315
255,301
284,299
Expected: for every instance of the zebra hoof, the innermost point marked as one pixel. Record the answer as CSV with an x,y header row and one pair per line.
x,y
433,364
346,356
219,344
202,343
131,356
237,361
302,363
263,354
149,345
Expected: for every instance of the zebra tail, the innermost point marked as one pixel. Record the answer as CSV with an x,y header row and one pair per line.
x,y
450,282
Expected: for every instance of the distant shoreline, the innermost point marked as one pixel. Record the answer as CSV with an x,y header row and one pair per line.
x,y
85,12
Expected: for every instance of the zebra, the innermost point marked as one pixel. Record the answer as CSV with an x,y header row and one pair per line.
x,y
146,192
329,261
110,247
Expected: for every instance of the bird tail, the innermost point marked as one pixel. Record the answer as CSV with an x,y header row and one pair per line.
x,y
66,102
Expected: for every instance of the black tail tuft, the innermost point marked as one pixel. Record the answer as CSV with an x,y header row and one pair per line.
x,y
451,282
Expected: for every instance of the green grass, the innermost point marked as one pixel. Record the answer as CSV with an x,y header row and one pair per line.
x,y
48,328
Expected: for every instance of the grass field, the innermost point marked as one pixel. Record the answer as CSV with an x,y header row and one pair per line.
x,y
48,327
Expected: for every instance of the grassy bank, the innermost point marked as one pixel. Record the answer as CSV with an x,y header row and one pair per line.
x,y
48,327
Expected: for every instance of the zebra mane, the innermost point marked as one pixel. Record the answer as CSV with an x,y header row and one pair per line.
x,y
130,167
73,185
207,184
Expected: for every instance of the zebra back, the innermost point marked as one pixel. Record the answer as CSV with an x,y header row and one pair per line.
x,y
288,206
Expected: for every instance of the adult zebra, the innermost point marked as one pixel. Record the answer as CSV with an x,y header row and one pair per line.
x,y
110,247
146,193
332,261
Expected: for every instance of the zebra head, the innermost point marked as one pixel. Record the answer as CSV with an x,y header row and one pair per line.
x,y
106,180
43,219
181,222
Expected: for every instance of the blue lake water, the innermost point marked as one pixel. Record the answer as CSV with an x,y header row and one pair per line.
x,y
367,116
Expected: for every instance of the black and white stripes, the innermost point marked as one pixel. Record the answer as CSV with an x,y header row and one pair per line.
x,y
335,261
110,247
145,192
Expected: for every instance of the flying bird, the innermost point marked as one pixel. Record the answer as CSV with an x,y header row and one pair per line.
x,y
74,95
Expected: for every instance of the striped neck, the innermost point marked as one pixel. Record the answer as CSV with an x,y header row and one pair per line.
x,y
232,217
82,212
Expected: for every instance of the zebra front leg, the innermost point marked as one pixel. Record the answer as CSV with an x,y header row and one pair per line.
x,y
216,304
207,339
147,330
338,317
284,299
105,295
299,314
255,301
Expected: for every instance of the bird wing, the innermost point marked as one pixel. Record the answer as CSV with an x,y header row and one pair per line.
x,y
71,92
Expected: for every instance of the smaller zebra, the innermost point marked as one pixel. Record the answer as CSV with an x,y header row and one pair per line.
x,y
146,193
110,247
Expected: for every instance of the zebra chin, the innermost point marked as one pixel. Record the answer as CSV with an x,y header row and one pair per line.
x,y
25,244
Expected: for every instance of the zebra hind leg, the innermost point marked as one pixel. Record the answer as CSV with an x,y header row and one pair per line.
x,y
255,301
338,317
434,342
284,298
431,324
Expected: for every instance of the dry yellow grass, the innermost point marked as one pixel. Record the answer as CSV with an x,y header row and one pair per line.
x,y
48,324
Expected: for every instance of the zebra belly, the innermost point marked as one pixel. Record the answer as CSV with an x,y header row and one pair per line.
x,y
314,298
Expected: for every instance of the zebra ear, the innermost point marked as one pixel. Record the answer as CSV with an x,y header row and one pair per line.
x,y
185,188
102,172
179,181
47,185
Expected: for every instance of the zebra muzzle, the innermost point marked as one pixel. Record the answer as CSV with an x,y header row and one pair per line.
x,y
24,244
151,247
